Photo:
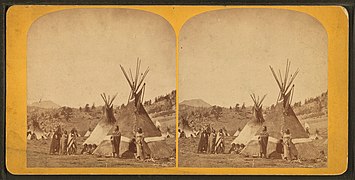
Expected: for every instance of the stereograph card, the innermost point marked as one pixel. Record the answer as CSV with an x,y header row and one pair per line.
x,y
252,90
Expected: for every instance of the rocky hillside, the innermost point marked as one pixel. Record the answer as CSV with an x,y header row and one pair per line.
x,y
236,117
87,117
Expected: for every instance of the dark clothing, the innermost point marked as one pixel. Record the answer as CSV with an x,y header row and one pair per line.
x,y
116,140
182,134
85,150
279,148
263,141
213,142
132,147
202,146
64,144
232,150
55,144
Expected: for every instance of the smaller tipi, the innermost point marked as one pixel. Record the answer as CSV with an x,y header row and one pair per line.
x,y
167,134
253,126
185,128
35,131
236,134
88,133
105,125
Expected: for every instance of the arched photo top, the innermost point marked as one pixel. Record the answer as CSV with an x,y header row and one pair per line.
x,y
224,53
74,55
248,14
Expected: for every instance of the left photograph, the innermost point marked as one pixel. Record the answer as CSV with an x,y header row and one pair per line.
x,y
101,90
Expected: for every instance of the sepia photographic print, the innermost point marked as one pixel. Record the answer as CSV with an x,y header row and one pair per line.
x,y
253,90
101,90
177,90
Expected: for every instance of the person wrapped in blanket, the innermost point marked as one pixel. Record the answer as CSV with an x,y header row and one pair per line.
x,y
203,143
143,151
219,149
72,146
290,151
55,144
64,143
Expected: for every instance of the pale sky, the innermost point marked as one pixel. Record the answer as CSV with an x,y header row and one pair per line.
x,y
225,55
74,55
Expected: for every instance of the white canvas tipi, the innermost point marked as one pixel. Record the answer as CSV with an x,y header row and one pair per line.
x,y
253,126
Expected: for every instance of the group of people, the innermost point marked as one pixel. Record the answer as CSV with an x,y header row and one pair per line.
x,y
285,148
236,148
211,142
88,149
137,147
63,143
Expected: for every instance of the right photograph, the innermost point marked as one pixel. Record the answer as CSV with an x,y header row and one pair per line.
x,y
253,90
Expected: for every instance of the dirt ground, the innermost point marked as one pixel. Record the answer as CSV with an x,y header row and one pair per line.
x,y
38,156
188,157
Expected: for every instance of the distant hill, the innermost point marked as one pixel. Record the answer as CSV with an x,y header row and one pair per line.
x,y
196,103
45,105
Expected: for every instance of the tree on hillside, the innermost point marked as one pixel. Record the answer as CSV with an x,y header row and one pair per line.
x,y
87,108
93,106
243,106
237,107
216,111
67,112
206,114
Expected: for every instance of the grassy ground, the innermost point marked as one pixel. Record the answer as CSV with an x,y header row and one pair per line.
x,y
188,157
38,156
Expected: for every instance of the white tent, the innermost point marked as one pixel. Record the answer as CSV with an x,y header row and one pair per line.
x,y
87,134
157,124
236,134
253,126
306,126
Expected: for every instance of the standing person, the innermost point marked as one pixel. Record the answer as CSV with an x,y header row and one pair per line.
x,y
142,148
220,142
202,145
208,132
263,141
72,147
55,144
115,141
290,150
64,143
213,141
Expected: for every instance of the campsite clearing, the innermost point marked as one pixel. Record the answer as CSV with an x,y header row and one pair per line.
x,y
188,157
38,156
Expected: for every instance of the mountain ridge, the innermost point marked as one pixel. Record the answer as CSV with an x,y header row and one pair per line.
x,y
196,103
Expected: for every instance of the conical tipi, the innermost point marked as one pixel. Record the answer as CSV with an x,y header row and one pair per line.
x,y
282,117
253,126
35,130
185,127
105,125
134,116
236,134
